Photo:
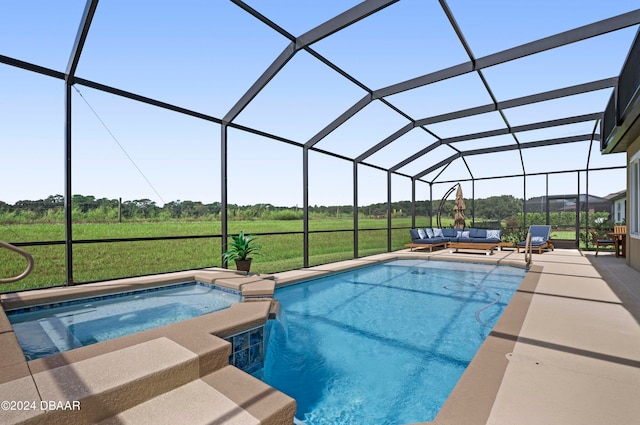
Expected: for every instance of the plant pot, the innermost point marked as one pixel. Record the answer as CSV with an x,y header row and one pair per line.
x,y
243,265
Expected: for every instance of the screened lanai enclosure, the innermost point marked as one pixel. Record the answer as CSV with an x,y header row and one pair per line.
x,y
137,137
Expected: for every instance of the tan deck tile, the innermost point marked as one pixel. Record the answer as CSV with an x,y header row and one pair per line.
x,y
582,269
293,276
103,384
239,317
381,257
211,276
5,325
262,288
14,371
623,279
545,386
12,360
577,287
342,265
558,256
201,405
263,402
236,282
19,390
586,325
220,269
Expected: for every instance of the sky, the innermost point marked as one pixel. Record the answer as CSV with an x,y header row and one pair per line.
x,y
204,55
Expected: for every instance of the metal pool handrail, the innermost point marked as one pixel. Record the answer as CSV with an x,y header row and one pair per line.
x,y
528,250
26,255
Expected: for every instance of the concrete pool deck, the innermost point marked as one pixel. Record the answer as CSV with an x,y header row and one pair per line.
x,y
566,351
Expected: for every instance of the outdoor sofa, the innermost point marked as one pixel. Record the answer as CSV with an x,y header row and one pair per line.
x,y
431,238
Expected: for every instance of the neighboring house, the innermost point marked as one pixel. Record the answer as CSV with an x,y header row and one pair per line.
x,y
620,132
618,206
568,203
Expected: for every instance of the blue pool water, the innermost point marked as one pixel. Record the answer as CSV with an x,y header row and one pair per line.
x,y
384,344
54,328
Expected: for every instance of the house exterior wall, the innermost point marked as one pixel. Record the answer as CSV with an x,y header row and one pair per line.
x,y
633,241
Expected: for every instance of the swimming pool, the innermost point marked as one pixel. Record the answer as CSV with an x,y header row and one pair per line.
x,y
384,344
49,329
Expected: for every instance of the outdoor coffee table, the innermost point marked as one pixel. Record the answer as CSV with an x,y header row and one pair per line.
x,y
488,247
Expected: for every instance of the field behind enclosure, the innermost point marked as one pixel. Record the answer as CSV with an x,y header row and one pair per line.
x,y
94,260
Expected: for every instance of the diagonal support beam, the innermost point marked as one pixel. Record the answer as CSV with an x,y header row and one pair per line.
x,y
341,21
31,67
251,11
404,130
521,101
416,155
261,82
434,77
434,167
558,40
525,127
147,100
81,36
536,144
498,132
339,121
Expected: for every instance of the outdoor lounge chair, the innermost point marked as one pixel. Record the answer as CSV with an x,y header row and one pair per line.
x,y
539,238
601,241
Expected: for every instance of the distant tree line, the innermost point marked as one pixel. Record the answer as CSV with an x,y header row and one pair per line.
x,y
92,209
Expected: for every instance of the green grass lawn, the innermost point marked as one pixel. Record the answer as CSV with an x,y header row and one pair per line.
x,y
110,260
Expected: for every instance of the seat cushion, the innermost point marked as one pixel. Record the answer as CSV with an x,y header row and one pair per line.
x,y
449,233
524,243
477,240
430,241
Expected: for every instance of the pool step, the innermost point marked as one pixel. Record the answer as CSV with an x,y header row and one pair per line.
x,y
227,396
106,385
157,381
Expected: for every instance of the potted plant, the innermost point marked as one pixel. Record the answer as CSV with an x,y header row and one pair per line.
x,y
240,248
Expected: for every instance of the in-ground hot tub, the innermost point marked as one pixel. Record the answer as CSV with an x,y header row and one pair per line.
x,y
52,328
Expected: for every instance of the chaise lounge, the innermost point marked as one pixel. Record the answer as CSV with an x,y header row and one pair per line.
x,y
539,238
